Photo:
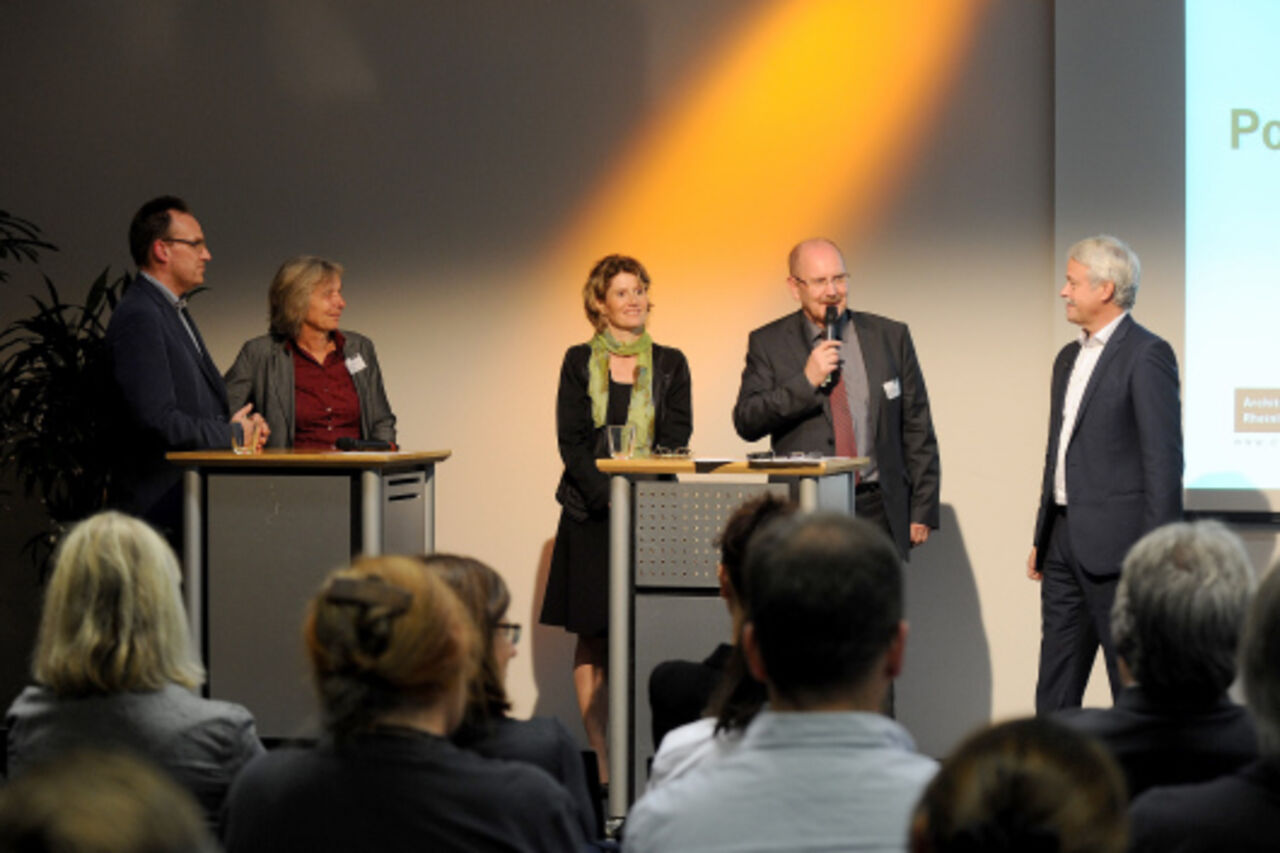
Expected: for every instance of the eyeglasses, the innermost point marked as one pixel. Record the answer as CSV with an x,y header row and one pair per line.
x,y
509,630
840,280
661,452
195,244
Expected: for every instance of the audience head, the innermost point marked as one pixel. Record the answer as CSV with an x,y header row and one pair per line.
x,y
824,609
151,223
1260,662
93,801
486,598
387,636
749,517
597,286
113,618
1110,259
289,297
1179,607
738,697
1026,786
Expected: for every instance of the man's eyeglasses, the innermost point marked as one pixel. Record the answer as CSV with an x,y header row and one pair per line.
x,y
195,244
509,630
840,281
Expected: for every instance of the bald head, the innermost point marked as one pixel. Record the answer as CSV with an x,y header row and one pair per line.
x,y
802,251
817,278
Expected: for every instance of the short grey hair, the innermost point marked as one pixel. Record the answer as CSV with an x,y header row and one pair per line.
x,y
1180,603
1110,259
1260,662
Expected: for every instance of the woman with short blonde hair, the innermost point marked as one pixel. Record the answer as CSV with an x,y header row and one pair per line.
x,y
114,666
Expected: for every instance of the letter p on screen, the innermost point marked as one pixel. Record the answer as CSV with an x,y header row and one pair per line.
x,y
1242,122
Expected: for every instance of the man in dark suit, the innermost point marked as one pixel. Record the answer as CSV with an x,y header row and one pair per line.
x,y
1113,467
171,390
857,391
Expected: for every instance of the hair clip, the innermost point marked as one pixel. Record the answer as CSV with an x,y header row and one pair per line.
x,y
371,591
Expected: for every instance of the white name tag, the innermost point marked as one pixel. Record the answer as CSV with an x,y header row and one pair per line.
x,y
355,364
893,389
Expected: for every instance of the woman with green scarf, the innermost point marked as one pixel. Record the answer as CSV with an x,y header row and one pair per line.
x,y
620,377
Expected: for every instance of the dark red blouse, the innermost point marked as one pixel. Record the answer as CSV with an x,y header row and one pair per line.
x,y
326,407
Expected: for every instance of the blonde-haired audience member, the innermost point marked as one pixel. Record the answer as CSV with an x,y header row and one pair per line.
x,y
1025,786
114,666
100,801
392,650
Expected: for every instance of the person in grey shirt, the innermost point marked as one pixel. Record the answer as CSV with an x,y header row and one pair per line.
x,y
820,769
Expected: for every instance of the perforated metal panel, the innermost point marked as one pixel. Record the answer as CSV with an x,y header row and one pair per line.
x,y
676,524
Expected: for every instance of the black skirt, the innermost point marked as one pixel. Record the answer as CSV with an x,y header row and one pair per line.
x,y
578,583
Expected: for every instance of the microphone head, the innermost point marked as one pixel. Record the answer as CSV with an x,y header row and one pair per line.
x,y
831,319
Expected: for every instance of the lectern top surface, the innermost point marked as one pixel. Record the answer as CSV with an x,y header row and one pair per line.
x,y
776,467
288,458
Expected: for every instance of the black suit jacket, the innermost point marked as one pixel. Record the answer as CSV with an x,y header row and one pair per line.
x,y
1124,462
1238,813
1165,744
776,399
584,489
173,396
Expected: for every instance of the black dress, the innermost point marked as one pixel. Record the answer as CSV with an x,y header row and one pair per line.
x,y
577,596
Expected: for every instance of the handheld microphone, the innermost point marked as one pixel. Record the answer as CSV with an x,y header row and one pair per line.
x,y
363,444
831,320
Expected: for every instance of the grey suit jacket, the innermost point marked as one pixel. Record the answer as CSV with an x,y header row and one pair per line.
x,y
263,375
775,399
1124,461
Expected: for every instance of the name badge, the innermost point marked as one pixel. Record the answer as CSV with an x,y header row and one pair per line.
x,y
893,389
355,364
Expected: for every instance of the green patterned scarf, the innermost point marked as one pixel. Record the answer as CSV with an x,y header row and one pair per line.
x,y
640,412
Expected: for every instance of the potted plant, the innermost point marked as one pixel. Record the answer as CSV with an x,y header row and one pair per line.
x,y
60,425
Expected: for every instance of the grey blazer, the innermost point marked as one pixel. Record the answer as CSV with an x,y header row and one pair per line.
x,y
775,399
263,375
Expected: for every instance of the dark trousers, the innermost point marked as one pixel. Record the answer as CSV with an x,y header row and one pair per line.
x,y
1075,613
868,505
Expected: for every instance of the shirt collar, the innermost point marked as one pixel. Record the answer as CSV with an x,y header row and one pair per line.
x,y
812,327
1100,338
168,294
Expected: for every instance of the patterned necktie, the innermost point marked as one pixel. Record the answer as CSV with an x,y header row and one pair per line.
x,y
842,420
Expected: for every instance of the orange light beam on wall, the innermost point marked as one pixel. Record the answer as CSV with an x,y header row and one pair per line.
x,y
807,115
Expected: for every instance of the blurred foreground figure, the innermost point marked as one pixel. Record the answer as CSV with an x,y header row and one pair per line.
x,y
1026,786
92,801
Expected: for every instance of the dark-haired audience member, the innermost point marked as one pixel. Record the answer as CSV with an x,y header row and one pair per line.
x,y
682,692
100,801
114,666
1176,621
486,728
392,650
1240,811
1025,786
821,768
